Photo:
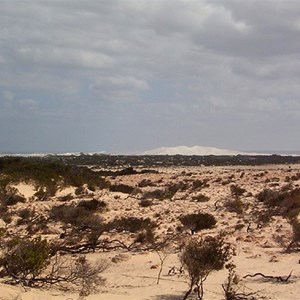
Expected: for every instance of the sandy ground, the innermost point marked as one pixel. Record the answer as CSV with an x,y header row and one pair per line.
x,y
256,249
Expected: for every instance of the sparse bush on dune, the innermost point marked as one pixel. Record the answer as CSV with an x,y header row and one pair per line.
x,y
29,262
200,184
236,191
235,205
49,175
93,205
10,196
201,257
122,188
200,198
77,216
284,202
145,203
131,224
198,221
25,259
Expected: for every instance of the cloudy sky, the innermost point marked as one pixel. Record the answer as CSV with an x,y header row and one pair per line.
x,y
126,76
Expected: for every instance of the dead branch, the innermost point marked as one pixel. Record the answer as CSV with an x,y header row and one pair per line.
x,y
276,278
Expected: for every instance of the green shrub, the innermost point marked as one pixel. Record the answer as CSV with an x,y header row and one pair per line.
x,y
26,259
198,221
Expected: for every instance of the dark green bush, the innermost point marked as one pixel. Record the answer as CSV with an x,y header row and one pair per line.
x,y
198,221
25,258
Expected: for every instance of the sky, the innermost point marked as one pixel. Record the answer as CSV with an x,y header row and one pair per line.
x,y
126,76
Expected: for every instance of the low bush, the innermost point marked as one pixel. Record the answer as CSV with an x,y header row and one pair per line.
x,y
25,259
235,205
200,258
200,198
93,205
236,191
122,188
10,196
145,203
131,224
198,221
79,217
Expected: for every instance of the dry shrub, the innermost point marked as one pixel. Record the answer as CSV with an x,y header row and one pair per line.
x,y
200,198
122,188
92,205
198,221
131,224
235,205
200,258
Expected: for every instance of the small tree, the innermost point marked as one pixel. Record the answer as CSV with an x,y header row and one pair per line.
x,y
200,258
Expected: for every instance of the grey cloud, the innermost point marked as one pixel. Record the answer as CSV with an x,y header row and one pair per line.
x,y
209,64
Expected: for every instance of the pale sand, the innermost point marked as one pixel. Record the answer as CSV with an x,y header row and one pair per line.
x,y
135,278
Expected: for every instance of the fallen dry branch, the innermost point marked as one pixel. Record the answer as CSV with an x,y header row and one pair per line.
x,y
276,278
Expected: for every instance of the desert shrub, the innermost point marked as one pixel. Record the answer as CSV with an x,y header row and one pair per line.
x,y
161,194
49,173
200,184
145,203
232,289
66,198
79,217
286,202
131,224
5,215
86,275
155,194
122,188
201,198
235,205
91,188
92,205
81,190
25,259
200,258
146,236
144,183
294,244
236,191
25,214
198,221
296,177
270,197
10,196
177,187
263,217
